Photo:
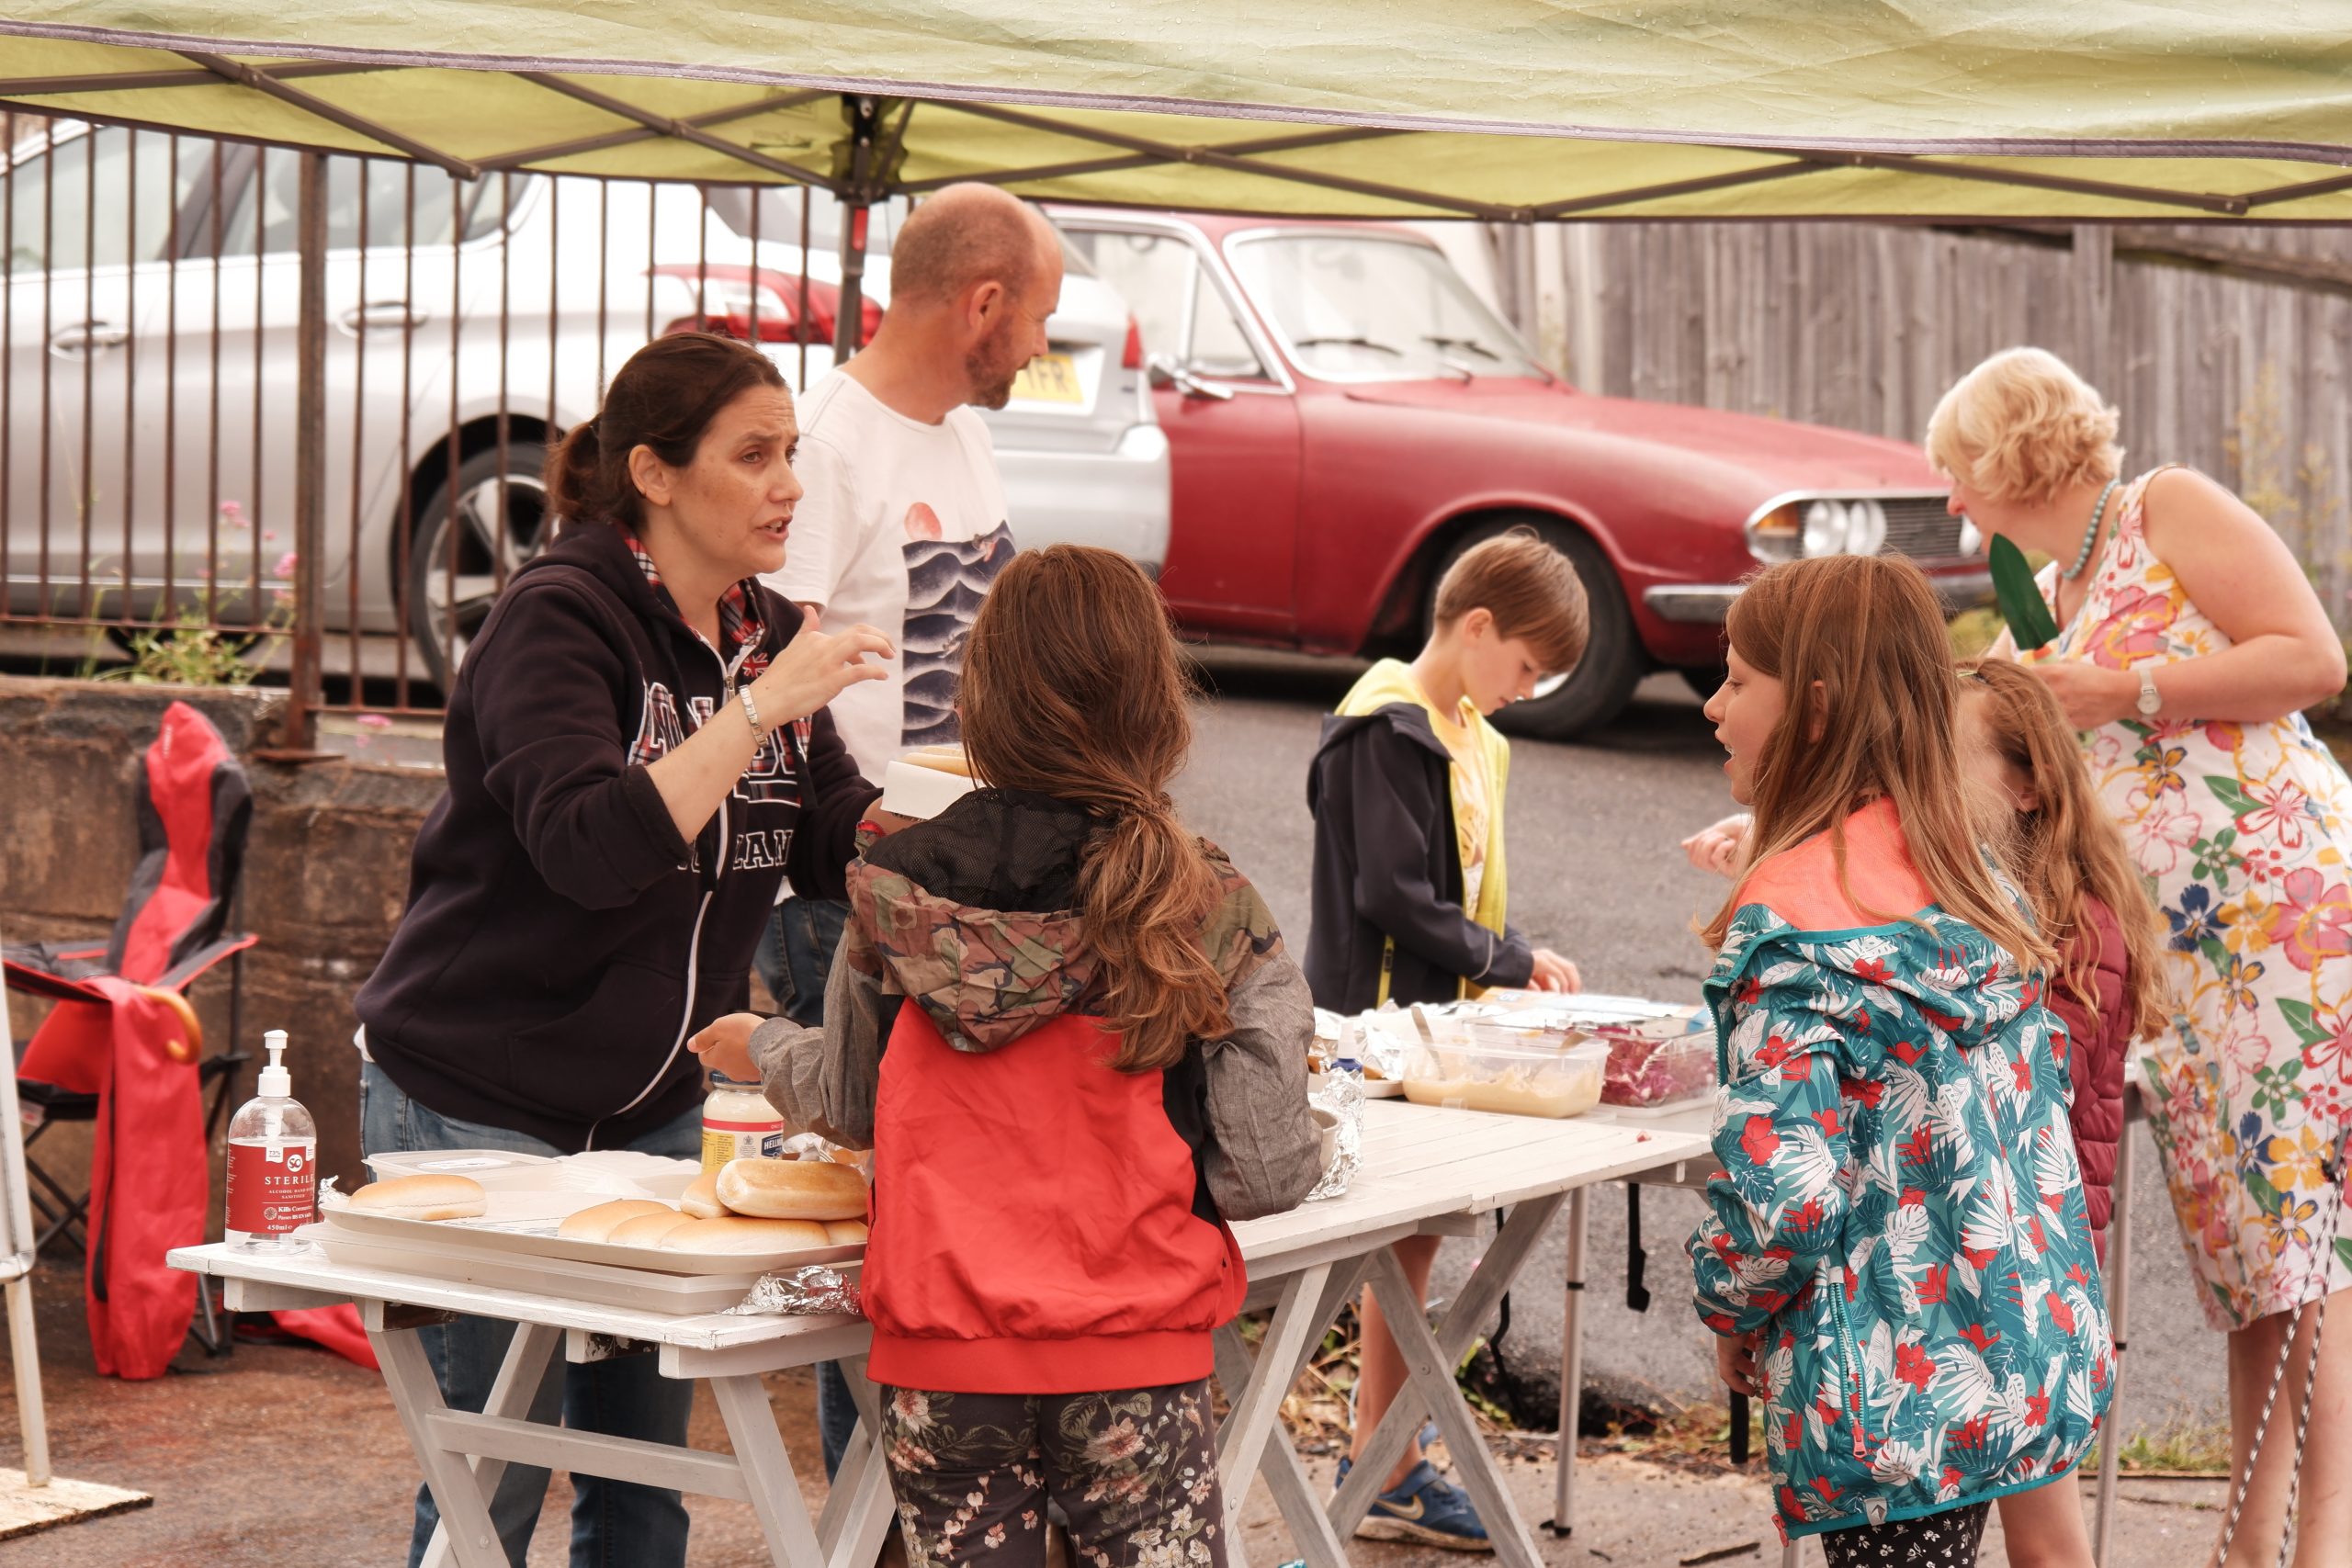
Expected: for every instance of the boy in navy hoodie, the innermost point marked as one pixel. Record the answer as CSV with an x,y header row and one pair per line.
x,y
1409,883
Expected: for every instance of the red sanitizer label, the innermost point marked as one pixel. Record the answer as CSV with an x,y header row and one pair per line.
x,y
270,1197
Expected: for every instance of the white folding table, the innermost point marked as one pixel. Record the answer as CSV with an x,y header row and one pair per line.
x,y
1424,1171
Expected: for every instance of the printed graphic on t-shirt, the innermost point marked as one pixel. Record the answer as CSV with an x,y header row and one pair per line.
x,y
772,777
947,580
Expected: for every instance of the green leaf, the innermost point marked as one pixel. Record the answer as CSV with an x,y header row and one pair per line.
x,y
2031,624
2344,1249
2227,792
2267,1196
2299,1019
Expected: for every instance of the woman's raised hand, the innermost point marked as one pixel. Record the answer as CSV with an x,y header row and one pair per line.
x,y
816,667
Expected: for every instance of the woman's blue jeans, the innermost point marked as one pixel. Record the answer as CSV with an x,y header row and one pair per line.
x,y
614,1524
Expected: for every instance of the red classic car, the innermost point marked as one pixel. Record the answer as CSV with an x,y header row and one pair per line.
x,y
1346,417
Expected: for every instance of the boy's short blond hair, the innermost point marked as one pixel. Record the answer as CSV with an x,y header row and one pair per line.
x,y
2022,426
1530,587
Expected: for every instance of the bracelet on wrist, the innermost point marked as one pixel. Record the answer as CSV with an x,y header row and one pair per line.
x,y
751,713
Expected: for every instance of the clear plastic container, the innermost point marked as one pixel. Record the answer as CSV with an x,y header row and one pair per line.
x,y
1645,1070
1516,1077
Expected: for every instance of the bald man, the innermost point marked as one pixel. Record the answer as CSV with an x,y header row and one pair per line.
x,y
903,526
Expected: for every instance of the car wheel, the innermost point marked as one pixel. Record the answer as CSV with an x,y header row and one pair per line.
x,y
499,521
1613,664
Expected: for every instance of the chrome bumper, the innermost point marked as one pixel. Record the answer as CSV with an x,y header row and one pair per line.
x,y
1706,604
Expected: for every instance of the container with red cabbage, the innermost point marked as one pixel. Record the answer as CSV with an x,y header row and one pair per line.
x,y
1648,1066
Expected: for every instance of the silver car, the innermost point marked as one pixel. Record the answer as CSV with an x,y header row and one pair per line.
x,y
150,312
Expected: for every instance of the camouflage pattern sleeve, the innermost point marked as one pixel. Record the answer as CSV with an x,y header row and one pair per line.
x,y
825,1081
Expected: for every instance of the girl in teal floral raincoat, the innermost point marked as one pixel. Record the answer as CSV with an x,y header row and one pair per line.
x,y
1897,1259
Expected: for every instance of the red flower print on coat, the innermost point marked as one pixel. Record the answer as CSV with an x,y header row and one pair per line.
x,y
922,523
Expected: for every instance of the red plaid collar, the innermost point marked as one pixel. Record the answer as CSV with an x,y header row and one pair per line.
x,y
740,626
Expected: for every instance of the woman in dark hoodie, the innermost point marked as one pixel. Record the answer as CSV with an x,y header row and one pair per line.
x,y
636,752
1069,1033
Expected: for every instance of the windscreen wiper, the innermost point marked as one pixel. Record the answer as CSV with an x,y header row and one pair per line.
x,y
1348,342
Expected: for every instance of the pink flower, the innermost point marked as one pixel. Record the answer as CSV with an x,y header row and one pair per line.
x,y
2283,812
2163,829
234,515
2311,919
373,721
285,564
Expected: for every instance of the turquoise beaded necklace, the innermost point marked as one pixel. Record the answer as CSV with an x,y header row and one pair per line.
x,y
2090,535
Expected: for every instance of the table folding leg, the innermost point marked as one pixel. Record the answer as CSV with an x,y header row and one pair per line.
x,y
1429,1358
1278,1462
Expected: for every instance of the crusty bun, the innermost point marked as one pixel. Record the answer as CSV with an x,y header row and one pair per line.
x,y
792,1189
734,1234
845,1232
646,1230
441,1196
945,758
597,1224
701,1200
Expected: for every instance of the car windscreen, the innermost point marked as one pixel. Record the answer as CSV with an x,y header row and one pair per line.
x,y
1371,308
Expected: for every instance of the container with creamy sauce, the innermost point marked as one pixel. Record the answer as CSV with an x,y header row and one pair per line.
x,y
738,1123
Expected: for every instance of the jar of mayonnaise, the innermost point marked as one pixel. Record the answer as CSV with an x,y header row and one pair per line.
x,y
738,1123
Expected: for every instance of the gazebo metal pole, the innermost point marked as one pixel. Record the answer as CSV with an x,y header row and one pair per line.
x,y
310,459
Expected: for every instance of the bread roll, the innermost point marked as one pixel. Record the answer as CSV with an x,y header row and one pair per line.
x,y
701,1200
646,1230
845,1232
736,1235
792,1189
442,1196
597,1224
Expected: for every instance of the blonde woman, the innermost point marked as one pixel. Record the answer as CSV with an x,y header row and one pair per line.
x,y
2189,643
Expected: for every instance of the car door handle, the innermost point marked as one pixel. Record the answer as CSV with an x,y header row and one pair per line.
x,y
381,315
87,337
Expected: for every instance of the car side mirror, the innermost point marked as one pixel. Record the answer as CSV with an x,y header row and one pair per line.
x,y
1163,370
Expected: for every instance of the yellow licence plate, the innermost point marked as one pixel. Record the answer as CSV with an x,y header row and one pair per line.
x,y
1049,379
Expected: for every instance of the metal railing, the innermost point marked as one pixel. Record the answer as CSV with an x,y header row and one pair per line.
x,y
274,408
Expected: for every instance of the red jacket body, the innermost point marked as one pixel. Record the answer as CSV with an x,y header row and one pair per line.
x,y
2098,1044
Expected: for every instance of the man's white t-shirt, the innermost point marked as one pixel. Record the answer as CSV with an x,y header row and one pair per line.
x,y
903,527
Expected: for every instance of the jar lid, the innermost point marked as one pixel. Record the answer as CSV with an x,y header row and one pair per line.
x,y
720,1080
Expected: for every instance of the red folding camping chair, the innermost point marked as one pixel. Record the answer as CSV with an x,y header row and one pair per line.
x,y
194,809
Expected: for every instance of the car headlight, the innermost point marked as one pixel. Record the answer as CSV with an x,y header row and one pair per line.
x,y
1825,528
1865,527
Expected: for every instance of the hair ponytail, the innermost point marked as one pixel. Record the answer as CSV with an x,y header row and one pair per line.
x,y
664,398
1072,687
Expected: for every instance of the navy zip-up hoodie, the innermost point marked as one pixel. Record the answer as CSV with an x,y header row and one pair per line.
x,y
561,940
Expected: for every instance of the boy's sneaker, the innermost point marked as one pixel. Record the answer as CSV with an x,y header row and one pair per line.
x,y
1426,1509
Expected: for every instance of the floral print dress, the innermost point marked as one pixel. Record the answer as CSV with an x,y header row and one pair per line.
x,y
2242,831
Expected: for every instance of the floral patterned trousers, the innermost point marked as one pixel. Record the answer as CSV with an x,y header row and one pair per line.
x,y
1135,1471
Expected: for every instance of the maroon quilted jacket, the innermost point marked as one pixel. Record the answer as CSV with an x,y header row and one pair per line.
x,y
2098,1044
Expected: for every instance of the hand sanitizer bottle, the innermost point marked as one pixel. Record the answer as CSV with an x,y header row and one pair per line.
x,y
272,1161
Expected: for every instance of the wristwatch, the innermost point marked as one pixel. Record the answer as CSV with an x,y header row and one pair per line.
x,y
2150,701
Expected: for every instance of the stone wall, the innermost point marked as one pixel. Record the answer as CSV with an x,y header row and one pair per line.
x,y
326,872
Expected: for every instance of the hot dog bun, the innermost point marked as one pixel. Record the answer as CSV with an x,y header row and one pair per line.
x,y
792,1189
700,1201
598,1223
436,1196
647,1230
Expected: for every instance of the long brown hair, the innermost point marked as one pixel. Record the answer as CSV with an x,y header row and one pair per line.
x,y
1073,688
2068,848
1867,631
664,396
